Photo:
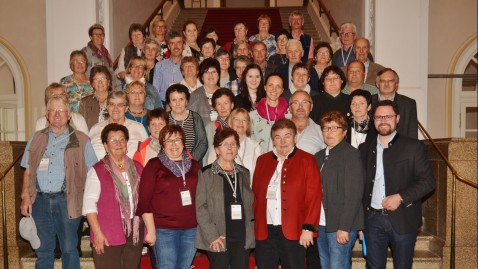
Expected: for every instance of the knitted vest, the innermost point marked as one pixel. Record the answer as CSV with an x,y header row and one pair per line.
x,y
305,40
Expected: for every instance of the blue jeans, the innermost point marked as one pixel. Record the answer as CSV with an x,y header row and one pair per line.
x,y
332,254
379,233
51,218
175,248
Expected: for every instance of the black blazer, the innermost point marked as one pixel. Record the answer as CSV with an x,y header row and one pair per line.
x,y
407,108
407,171
343,178
283,70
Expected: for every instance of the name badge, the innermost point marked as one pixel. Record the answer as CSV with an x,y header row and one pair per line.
x,y
272,190
185,197
213,115
44,164
236,211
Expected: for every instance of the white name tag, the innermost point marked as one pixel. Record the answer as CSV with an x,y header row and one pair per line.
x,y
272,190
44,164
213,115
186,198
236,212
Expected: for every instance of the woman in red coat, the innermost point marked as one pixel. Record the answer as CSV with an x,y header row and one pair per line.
x,y
287,197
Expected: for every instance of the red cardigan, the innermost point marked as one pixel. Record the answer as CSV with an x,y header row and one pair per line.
x,y
301,193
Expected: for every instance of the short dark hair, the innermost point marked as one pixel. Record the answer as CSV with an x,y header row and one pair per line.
x,y
333,69
322,45
223,134
359,92
188,22
220,52
387,103
170,130
357,62
283,124
274,74
334,115
206,64
221,92
94,27
180,88
379,73
282,31
301,65
113,127
209,30
207,40
99,69
157,113
174,34
136,27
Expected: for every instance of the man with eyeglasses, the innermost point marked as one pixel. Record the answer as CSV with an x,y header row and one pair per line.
x,y
345,55
387,83
56,160
398,177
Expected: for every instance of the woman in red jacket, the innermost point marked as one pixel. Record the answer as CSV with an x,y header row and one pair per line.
x,y
287,197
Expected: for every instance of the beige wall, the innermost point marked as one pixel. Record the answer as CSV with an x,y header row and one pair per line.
x,y
451,23
123,14
28,36
348,11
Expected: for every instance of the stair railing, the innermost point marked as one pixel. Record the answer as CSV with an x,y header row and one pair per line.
x,y
323,9
157,11
456,176
4,211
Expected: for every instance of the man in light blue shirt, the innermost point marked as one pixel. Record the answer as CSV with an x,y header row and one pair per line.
x,y
56,159
167,71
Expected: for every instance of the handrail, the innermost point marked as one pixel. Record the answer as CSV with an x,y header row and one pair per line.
x,y
334,27
145,24
447,162
4,211
453,193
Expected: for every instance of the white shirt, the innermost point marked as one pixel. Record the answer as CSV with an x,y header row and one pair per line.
x,y
136,130
274,210
357,138
311,139
93,191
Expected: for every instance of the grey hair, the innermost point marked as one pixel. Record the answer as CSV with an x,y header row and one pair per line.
x,y
294,41
348,25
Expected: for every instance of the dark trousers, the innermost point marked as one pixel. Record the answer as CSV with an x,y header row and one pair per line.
x,y
312,256
379,234
278,249
235,257
125,256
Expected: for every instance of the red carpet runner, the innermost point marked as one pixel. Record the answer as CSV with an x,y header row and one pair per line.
x,y
223,19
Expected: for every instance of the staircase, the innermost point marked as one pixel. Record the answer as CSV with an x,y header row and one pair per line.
x,y
427,256
309,26
194,14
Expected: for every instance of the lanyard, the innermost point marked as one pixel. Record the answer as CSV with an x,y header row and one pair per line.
x,y
183,172
234,188
348,55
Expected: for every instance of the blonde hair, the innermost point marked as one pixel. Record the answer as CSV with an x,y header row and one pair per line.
x,y
241,110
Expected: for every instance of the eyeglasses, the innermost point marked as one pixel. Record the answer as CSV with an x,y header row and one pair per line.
x,y
323,53
114,141
177,141
135,93
329,79
100,79
228,146
213,72
54,111
300,103
331,129
100,35
347,34
384,118
122,105
137,67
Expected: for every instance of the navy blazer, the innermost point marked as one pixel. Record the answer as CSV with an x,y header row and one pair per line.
x,y
407,172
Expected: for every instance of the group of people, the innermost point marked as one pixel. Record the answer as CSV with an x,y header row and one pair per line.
x,y
268,143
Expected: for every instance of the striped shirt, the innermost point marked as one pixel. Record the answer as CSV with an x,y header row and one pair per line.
x,y
188,128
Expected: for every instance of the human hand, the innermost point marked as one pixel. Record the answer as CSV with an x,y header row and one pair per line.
x,y
306,238
392,202
26,206
342,237
217,244
150,237
100,242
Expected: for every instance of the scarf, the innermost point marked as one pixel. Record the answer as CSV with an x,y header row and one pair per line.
x,y
100,53
171,165
275,113
122,196
361,127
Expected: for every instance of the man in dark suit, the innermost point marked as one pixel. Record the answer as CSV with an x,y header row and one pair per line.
x,y
398,177
387,84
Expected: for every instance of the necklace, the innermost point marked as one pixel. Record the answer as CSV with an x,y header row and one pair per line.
x,y
136,113
283,59
120,166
